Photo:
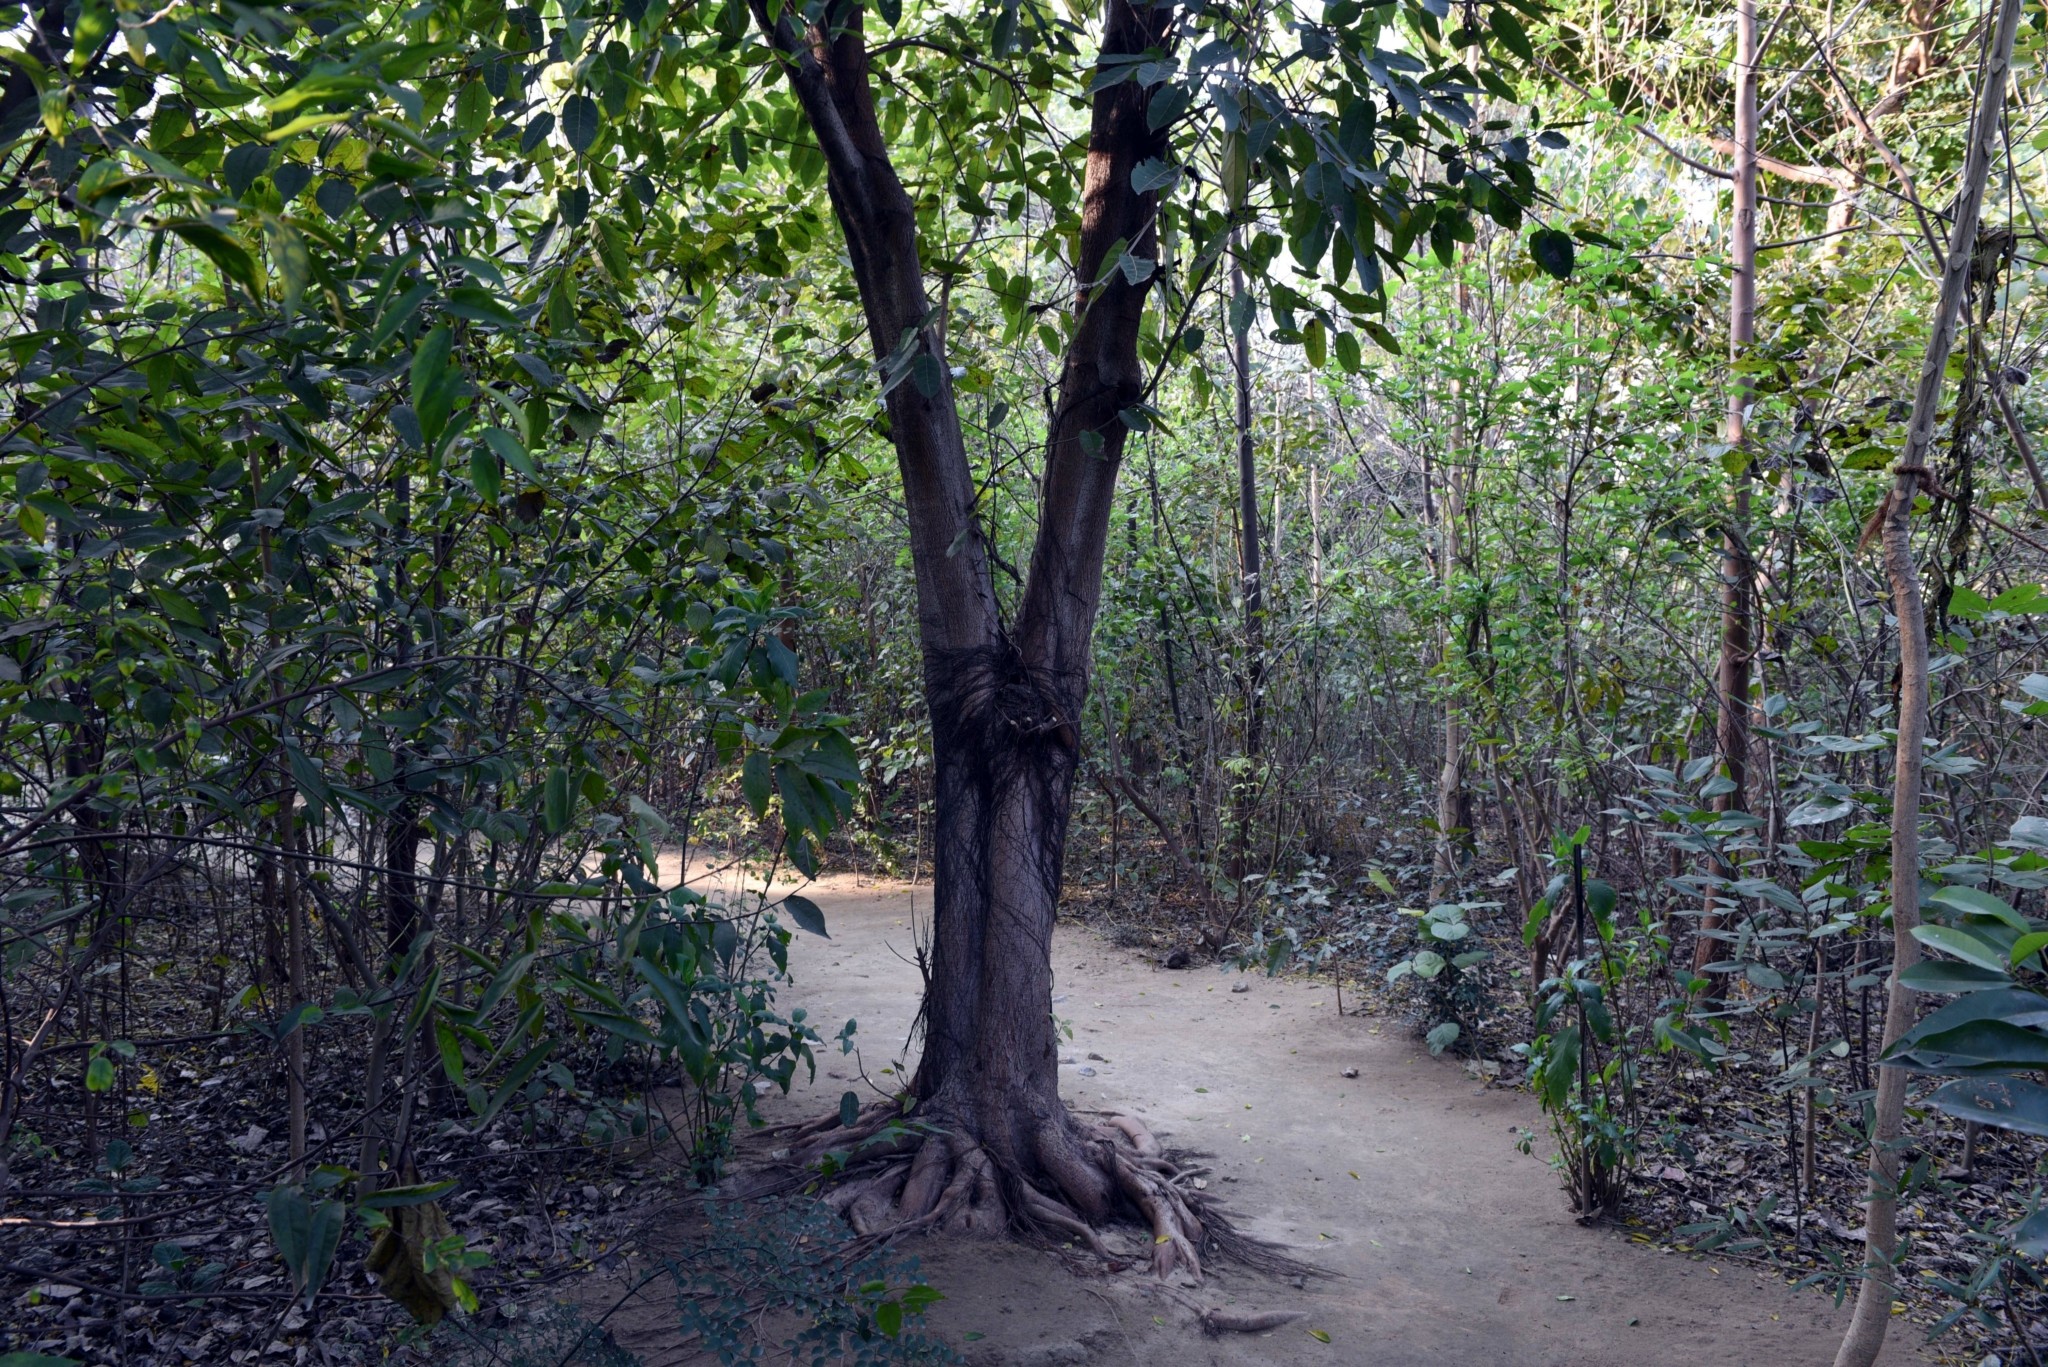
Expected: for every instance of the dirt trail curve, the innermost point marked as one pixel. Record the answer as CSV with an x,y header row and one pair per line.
x,y
1454,1248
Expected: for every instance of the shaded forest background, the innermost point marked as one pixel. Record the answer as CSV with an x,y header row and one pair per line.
x,y
445,470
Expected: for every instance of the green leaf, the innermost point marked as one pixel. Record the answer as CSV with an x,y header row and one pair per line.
x,y
510,974
1963,945
222,248
579,122
1512,35
433,383
450,1046
99,1075
1980,1044
1554,252
2027,946
511,451
95,24
806,914
1600,899
2021,598
391,1198
1153,174
1243,309
514,1080
2008,1103
1561,1068
757,782
486,473
558,801
290,259
305,1235
1945,975
240,167
1380,335
1976,902
849,1110
1348,357
2030,1236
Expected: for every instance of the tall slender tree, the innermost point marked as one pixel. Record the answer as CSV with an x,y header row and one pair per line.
x,y
1879,1287
1738,566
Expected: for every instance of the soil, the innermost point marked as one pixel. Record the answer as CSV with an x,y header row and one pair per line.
x,y
1446,1244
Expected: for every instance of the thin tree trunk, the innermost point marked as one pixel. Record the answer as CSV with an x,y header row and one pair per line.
x,y
1251,587
1738,568
1454,841
1874,1295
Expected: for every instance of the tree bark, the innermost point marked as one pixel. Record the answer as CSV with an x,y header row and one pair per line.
x,y
1874,1295
1455,845
1251,587
1738,568
1005,699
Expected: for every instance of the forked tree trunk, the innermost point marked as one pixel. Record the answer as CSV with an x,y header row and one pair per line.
x,y
1875,1293
1005,699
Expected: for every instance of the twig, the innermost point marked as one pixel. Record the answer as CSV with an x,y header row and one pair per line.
x,y
2019,438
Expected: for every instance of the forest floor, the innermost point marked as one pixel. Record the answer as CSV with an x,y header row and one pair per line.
x,y
1447,1244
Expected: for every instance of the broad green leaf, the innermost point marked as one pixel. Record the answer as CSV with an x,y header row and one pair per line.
x,y
485,472
392,1198
1512,35
222,248
579,122
1971,949
806,914
1946,975
1553,251
558,801
1976,902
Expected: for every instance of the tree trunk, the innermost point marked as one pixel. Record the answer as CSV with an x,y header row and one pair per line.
x,y
1005,701
1455,846
1251,587
1454,838
1738,568
1881,1233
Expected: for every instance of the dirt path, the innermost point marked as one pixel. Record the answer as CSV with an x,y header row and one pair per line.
x,y
1453,1247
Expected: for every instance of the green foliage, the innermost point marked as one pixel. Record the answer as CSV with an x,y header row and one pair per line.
x,y
852,1303
1583,1060
1442,964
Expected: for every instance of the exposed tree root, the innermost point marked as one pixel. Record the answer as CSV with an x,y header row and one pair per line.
x,y
1216,1322
891,1175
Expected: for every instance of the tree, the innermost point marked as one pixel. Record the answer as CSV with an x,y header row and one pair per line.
x,y
1874,1295
1006,690
1738,565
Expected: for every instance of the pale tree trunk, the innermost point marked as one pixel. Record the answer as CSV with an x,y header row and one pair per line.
x,y
1005,699
1881,1232
1453,792
1738,569
1454,846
